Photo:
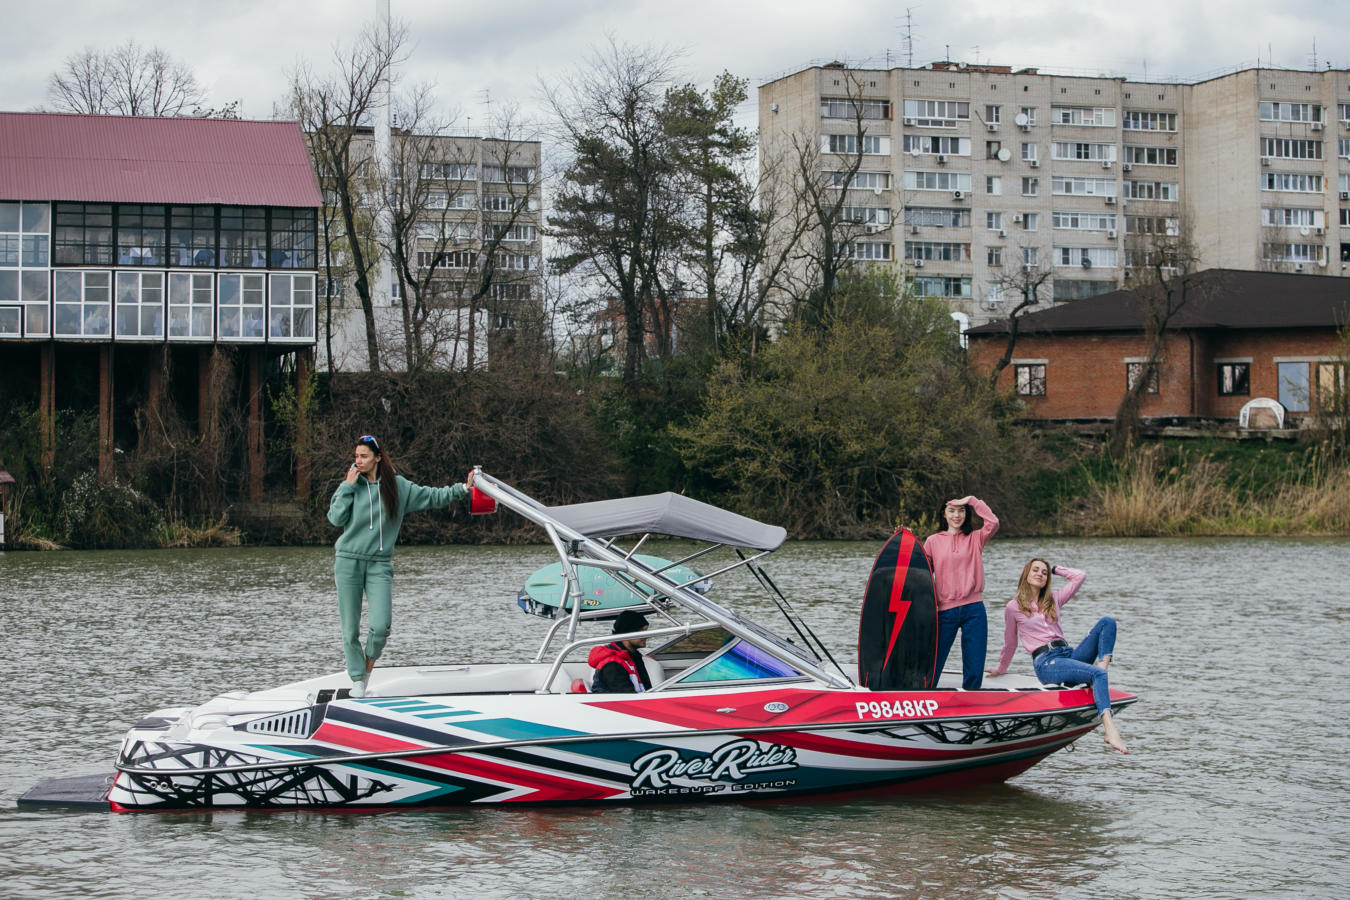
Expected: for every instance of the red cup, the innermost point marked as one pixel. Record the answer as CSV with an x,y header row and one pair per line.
x,y
480,504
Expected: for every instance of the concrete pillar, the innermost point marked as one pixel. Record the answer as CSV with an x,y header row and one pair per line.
x,y
105,413
47,407
304,375
255,425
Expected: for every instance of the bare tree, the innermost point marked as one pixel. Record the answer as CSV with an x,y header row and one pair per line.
x,y
1025,282
1166,278
332,110
128,81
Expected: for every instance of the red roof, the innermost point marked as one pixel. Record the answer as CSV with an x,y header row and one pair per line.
x,y
137,159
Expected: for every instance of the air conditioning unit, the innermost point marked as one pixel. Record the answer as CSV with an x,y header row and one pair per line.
x,y
918,264
1003,232
1298,267
1316,126
1086,263
914,229
1345,195
942,159
1017,218
1110,201
871,228
1265,160
957,195
1126,167
1034,163
909,121
1322,262
1321,230
1106,164
1025,126
1127,273
1110,232
992,302
992,126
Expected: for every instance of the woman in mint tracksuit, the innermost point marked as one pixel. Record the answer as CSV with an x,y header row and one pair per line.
x,y
369,507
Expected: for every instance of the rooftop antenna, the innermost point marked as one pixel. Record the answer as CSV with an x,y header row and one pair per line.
x,y
909,37
1314,65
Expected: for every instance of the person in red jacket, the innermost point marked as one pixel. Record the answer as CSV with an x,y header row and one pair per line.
x,y
618,666
958,581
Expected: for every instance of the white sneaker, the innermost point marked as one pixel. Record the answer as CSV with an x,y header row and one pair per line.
x,y
358,688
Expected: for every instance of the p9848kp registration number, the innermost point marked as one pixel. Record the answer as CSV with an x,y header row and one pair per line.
x,y
900,709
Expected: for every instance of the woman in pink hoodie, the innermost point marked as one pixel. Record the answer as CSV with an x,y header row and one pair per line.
x,y
958,581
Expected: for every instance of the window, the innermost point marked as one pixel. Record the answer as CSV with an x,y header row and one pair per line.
x,y
993,184
515,262
243,238
1291,148
1086,257
938,144
866,215
1277,217
934,250
1031,221
861,181
82,303
499,203
140,305
992,114
1028,150
1099,116
940,287
1294,252
1275,111
1083,221
1134,370
510,291
510,233
993,220
846,108
1151,190
191,302
936,113
936,181
508,174
1082,150
192,236
941,217
1030,186
1293,182
1030,113
1137,120
1331,386
872,145
1152,225
1080,288
1030,256
1234,379
449,171
82,235
991,149
1343,148
140,235
292,237
1030,379
1343,111
290,307
868,250
240,308
993,256
25,253
1151,156
1293,393
1090,187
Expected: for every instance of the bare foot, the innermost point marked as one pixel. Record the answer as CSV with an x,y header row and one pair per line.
x,y
1104,663
1111,735
370,664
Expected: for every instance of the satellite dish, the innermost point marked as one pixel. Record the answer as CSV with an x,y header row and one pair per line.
x,y
1004,155
915,152
1021,119
1305,231
1087,263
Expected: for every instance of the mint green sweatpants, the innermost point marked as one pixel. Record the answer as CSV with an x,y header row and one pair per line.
x,y
374,579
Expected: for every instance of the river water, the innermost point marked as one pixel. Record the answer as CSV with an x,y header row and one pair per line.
x,y
1235,784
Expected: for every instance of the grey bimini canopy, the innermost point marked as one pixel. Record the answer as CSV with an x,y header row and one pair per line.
x,y
669,514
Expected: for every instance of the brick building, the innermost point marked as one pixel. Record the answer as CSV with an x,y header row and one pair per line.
x,y
1241,335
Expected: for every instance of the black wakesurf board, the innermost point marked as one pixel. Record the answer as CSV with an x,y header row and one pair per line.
x,y
897,635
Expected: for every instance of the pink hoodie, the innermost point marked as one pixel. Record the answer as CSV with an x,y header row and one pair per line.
x,y
958,571
1035,630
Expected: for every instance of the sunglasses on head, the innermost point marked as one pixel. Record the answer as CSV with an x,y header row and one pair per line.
x,y
369,439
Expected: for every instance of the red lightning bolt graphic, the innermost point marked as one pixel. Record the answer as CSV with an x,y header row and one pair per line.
x,y
898,606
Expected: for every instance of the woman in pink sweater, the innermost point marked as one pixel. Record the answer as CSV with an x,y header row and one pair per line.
x,y
958,581
1033,618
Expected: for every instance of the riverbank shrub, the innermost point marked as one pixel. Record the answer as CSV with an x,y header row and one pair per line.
x,y
108,516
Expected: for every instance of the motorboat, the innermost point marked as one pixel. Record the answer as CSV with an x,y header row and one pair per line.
x,y
735,710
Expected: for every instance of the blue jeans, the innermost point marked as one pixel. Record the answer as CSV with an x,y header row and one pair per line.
x,y
1061,665
974,626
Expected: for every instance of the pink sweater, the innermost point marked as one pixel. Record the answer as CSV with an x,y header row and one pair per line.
x,y
1035,630
958,571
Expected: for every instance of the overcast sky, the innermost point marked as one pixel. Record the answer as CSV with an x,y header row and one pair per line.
x,y
501,50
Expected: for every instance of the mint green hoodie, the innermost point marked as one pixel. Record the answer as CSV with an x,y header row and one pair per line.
x,y
367,533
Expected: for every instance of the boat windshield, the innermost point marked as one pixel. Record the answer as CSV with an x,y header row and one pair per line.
x,y
739,662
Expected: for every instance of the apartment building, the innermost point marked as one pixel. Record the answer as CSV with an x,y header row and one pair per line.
x,y
469,212
980,179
